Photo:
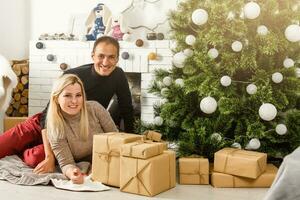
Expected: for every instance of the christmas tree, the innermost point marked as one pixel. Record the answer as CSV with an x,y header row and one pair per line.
x,y
235,77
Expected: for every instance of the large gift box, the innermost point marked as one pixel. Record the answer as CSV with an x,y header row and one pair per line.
x,y
226,180
148,176
193,171
240,162
142,149
106,156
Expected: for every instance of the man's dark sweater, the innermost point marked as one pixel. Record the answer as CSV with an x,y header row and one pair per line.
x,y
102,89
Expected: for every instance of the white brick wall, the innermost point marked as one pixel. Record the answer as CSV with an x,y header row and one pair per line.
x,y
75,53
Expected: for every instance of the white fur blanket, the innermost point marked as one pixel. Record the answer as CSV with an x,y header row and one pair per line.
x,y
8,81
287,182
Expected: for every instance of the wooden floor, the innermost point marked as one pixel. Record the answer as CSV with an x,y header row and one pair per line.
x,y
187,192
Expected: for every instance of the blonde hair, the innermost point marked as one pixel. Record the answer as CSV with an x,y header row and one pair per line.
x,y
55,120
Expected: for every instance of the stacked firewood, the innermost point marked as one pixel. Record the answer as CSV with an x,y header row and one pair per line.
x,y
19,103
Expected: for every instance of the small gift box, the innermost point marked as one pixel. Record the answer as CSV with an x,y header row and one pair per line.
x,y
193,171
152,135
238,162
142,149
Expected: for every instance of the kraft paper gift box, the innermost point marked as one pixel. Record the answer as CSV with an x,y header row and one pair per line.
x,y
148,177
106,156
142,149
152,135
10,122
194,171
238,162
230,181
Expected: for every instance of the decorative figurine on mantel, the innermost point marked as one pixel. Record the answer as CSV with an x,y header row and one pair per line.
x,y
57,36
116,27
97,21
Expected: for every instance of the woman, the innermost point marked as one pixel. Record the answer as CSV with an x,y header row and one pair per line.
x,y
71,123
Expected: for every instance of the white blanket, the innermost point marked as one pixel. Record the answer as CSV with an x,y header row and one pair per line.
x,y
15,171
287,182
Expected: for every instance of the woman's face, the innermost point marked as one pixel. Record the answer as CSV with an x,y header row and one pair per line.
x,y
71,100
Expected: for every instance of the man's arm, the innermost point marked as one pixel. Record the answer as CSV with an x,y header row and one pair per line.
x,y
125,102
43,117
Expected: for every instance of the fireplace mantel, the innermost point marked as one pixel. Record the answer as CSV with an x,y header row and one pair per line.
x,y
49,58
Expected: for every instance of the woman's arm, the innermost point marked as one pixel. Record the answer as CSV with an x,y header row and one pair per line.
x,y
47,165
104,118
65,158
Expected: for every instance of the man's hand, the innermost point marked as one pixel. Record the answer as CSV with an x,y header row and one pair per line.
x,y
46,166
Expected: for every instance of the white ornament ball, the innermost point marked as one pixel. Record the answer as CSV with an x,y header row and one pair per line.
x,y
242,14
251,89
167,81
277,77
267,111
190,40
292,33
158,121
178,59
159,84
208,105
251,10
237,46
295,7
160,102
236,145
254,143
213,53
225,81
230,16
164,91
262,30
126,37
288,62
199,17
173,44
179,82
297,71
188,52
157,103
216,136
281,129
163,101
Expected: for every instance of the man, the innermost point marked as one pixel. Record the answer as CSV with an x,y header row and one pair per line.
x,y
102,80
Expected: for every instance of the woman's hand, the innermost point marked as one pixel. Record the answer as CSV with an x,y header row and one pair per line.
x,y
76,176
46,166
